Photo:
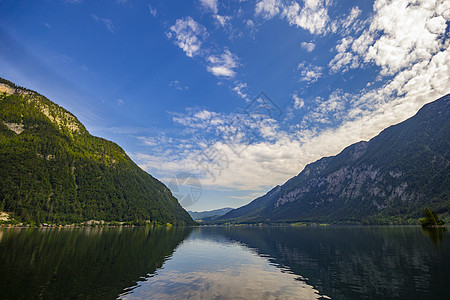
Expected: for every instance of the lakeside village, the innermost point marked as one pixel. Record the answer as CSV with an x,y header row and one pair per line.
x,y
8,220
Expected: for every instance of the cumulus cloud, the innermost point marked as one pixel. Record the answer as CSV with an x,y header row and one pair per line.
x,y
285,153
198,119
239,89
210,5
188,35
298,102
308,46
343,61
312,16
331,110
217,161
309,73
268,8
406,41
401,34
223,65
349,23
222,20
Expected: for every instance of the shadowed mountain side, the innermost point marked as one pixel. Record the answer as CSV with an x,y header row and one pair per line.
x,y
389,179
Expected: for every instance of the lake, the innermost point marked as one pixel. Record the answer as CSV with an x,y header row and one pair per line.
x,y
320,262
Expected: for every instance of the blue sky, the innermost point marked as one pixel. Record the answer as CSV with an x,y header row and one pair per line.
x,y
234,96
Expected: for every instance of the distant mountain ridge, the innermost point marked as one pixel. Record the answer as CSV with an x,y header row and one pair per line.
x,y
210,214
389,179
53,170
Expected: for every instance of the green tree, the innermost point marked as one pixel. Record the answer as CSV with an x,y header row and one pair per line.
x,y
431,219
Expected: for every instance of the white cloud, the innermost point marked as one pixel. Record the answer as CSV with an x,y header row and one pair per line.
x,y
351,18
308,46
344,44
241,163
221,71
343,61
349,23
205,115
222,20
199,119
177,85
405,39
210,5
223,65
298,102
152,10
107,22
309,73
312,16
239,89
402,40
188,35
155,141
284,154
401,34
332,110
268,8
436,25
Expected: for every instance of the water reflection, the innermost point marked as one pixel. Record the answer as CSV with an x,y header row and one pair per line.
x,y
355,263
91,263
303,263
225,263
213,267
436,234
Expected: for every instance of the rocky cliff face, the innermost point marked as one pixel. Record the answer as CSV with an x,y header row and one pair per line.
x,y
56,114
388,179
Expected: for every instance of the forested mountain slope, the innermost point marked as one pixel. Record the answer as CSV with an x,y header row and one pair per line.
x,y
52,169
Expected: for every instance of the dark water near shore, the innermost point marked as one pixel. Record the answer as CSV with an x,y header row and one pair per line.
x,y
225,263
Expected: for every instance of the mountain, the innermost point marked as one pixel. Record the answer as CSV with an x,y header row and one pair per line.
x,y
210,214
389,179
53,170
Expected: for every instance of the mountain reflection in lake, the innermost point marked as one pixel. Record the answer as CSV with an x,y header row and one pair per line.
x,y
210,266
81,263
224,263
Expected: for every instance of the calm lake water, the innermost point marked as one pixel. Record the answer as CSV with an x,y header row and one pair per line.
x,y
225,263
